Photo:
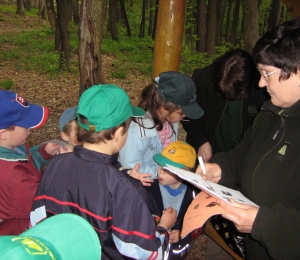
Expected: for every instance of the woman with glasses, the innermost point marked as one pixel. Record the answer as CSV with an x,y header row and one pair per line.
x,y
266,164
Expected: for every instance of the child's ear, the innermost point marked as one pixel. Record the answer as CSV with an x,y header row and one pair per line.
x,y
2,134
64,136
118,133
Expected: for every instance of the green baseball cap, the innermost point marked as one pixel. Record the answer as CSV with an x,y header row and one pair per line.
x,y
105,106
60,237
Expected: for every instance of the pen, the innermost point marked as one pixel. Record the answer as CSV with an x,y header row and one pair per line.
x,y
202,164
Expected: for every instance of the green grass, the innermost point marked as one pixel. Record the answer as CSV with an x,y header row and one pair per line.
x,y
32,49
7,84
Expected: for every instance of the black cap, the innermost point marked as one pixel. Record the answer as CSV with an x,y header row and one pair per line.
x,y
179,89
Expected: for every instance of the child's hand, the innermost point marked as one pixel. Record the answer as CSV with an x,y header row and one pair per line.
x,y
145,178
174,236
168,218
52,148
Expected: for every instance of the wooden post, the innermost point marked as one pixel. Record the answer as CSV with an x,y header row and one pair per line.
x,y
168,36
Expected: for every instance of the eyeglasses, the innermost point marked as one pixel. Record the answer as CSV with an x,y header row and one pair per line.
x,y
266,75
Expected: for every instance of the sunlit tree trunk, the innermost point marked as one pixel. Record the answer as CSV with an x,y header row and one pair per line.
x,y
90,40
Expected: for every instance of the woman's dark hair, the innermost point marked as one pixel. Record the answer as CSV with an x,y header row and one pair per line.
x,y
151,101
234,74
97,137
280,47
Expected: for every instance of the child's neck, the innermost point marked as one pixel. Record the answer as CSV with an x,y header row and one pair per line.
x,y
176,185
100,147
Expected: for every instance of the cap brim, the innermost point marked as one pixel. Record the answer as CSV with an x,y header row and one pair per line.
x,y
137,111
163,161
192,111
36,117
67,232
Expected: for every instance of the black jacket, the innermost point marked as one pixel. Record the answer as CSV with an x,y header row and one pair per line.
x,y
204,129
267,167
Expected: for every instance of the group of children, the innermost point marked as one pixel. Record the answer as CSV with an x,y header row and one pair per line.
x,y
114,177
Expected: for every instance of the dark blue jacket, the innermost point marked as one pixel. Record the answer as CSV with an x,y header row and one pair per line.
x,y
89,184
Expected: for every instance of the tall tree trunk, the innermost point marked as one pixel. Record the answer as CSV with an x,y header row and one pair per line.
x,y
90,40
274,16
220,16
42,9
75,8
211,27
155,20
113,20
151,16
228,21
235,22
20,8
124,14
27,4
250,16
201,26
51,13
62,11
143,20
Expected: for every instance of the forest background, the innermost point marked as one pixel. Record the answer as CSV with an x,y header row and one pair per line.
x,y
40,45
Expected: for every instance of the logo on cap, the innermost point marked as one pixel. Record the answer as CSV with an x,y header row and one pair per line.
x,y
21,101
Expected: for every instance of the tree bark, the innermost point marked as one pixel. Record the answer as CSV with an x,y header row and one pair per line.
x,y
75,8
228,23
90,40
62,11
220,16
20,8
151,17
250,27
201,26
235,22
113,20
155,20
274,16
51,14
124,14
211,27
143,20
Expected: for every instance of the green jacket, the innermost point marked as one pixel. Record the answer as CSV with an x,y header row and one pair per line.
x,y
266,165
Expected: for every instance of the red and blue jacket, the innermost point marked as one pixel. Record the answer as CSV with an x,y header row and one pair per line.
x,y
89,184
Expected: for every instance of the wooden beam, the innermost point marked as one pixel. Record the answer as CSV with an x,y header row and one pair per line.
x,y
293,7
168,36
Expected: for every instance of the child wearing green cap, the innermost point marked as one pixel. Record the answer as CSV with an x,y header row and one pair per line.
x,y
170,191
170,98
88,182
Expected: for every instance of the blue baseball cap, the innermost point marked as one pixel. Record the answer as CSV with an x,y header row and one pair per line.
x,y
68,115
16,111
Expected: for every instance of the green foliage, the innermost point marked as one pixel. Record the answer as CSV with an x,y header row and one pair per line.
x,y
6,84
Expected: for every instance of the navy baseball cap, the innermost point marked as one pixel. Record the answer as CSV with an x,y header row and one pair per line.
x,y
179,89
16,111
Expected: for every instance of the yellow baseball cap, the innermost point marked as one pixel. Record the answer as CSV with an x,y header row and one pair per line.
x,y
178,154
